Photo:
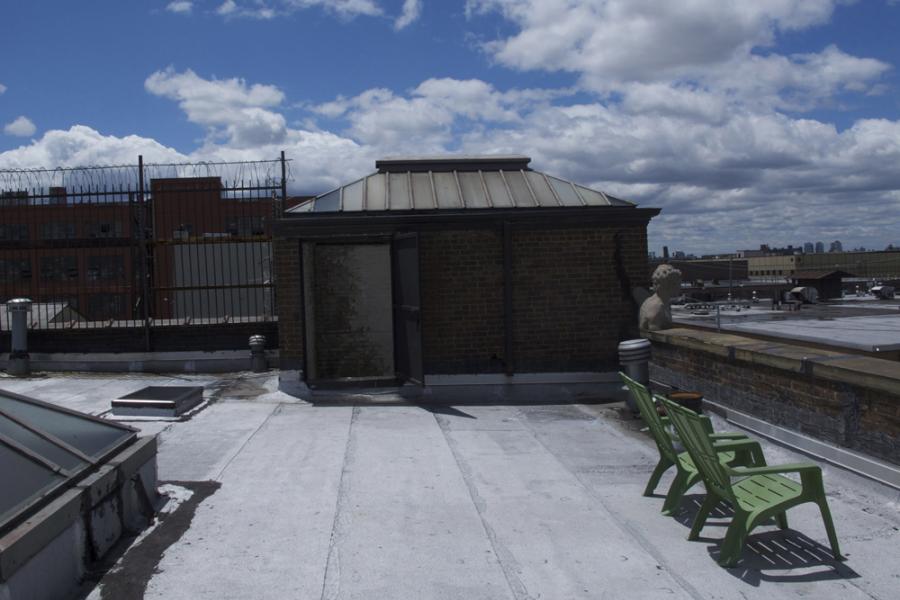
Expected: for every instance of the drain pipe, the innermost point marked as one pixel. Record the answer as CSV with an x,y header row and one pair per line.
x,y
258,354
19,362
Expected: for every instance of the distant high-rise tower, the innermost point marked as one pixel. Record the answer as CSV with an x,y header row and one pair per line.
x,y
820,247
808,248
836,246
665,253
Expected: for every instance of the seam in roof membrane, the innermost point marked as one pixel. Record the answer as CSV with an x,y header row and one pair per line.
x,y
341,198
552,191
534,199
509,193
487,193
605,197
462,200
434,200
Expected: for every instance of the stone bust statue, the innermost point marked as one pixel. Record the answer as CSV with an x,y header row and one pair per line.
x,y
655,311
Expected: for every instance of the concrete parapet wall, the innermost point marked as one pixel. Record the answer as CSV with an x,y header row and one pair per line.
x,y
844,399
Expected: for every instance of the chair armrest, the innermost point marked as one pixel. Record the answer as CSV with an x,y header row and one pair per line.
x,y
800,468
746,449
727,435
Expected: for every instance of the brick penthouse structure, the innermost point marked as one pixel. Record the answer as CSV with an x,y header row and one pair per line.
x,y
459,266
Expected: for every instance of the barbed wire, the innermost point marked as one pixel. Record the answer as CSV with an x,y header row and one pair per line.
x,y
126,176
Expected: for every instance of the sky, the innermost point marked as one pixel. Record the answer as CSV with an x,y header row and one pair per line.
x,y
747,122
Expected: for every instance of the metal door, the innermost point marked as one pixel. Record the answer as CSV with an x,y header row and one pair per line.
x,y
407,313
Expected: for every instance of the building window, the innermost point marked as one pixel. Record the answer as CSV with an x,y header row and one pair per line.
x,y
243,226
13,231
106,306
57,230
59,268
14,198
105,268
104,230
15,269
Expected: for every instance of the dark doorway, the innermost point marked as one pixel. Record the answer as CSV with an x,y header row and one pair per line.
x,y
407,308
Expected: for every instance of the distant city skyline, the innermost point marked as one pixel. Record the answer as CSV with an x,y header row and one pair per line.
x,y
743,121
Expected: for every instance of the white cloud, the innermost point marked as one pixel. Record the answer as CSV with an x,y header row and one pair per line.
x,y
226,8
181,7
228,108
728,171
269,9
411,11
2,88
20,127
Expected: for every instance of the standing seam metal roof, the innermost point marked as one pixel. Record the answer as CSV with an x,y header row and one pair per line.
x,y
425,185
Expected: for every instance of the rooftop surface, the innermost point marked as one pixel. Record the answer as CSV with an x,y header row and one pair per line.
x,y
272,497
868,325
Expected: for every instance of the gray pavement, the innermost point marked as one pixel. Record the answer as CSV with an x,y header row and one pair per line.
x,y
469,501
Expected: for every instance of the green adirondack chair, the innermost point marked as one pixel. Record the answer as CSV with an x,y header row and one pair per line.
x,y
731,448
754,492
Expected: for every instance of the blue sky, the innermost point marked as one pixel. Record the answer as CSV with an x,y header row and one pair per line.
x,y
747,122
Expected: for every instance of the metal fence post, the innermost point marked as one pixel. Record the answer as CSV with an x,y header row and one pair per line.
x,y
142,233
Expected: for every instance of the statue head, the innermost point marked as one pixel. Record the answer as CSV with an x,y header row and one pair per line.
x,y
666,281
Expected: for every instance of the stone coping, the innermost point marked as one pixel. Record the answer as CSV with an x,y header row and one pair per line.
x,y
873,373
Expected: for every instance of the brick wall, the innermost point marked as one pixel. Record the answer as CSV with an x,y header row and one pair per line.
x,y
571,308
462,301
289,301
846,400
571,296
180,338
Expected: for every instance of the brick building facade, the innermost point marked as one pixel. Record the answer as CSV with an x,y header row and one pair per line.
x,y
493,268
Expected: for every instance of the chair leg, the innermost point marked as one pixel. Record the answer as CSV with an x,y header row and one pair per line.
x,y
734,540
661,468
829,527
709,503
683,480
782,521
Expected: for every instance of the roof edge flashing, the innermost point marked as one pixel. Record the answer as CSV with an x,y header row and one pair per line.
x,y
439,164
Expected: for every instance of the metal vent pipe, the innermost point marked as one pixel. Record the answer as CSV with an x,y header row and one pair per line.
x,y
19,362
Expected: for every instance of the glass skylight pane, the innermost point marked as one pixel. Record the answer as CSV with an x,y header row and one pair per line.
x,y
447,192
473,191
375,192
39,445
353,195
399,192
521,193
330,202
24,480
592,197
497,189
423,197
566,192
90,437
541,190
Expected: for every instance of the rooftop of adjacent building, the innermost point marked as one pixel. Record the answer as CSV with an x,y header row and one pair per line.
x,y
274,497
